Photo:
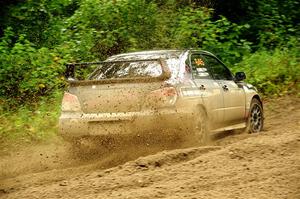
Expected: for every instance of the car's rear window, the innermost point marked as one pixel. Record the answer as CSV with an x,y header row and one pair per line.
x,y
127,69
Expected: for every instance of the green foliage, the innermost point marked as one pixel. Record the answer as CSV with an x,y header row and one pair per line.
x,y
40,20
27,72
276,23
273,72
197,29
272,22
103,28
34,122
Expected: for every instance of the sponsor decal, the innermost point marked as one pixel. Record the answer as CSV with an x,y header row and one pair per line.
x,y
199,62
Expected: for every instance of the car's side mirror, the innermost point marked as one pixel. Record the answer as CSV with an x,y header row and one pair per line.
x,y
240,76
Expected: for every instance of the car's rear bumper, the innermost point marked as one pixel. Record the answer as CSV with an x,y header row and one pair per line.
x,y
80,124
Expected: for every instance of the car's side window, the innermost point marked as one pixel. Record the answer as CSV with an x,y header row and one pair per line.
x,y
217,69
199,67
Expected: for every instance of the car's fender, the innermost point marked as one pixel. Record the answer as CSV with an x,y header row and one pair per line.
x,y
251,92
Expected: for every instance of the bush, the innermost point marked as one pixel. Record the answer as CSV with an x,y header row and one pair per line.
x,y
195,28
102,28
26,72
273,72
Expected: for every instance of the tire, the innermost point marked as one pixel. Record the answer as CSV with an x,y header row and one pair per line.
x,y
201,127
255,122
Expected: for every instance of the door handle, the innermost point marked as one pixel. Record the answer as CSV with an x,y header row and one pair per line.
x,y
225,87
202,87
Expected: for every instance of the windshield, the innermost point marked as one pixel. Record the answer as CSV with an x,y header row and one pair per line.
x,y
133,69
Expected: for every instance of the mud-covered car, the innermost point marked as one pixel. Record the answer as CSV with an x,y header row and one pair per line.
x,y
188,91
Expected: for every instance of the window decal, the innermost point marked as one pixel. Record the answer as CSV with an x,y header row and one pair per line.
x,y
199,62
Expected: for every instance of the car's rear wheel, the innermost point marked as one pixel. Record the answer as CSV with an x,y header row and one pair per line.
x,y
255,121
201,127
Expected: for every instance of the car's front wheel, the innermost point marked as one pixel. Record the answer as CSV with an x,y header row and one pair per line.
x,y
255,121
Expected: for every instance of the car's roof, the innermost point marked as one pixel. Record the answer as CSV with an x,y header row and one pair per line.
x,y
153,54
149,54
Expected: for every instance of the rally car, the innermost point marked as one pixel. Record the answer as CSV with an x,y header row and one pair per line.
x,y
188,91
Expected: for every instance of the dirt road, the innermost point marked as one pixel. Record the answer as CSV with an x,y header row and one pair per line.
x,y
234,165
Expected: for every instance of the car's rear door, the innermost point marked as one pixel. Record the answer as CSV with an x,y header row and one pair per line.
x,y
233,95
211,92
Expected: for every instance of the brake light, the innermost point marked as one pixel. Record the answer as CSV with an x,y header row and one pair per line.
x,y
169,91
70,103
163,97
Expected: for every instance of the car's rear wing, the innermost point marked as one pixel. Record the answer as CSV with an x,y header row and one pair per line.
x,y
70,72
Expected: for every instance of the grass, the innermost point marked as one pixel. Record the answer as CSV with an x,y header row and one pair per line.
x,y
31,123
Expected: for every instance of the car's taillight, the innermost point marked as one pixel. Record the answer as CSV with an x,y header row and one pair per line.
x,y
169,95
163,97
70,103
